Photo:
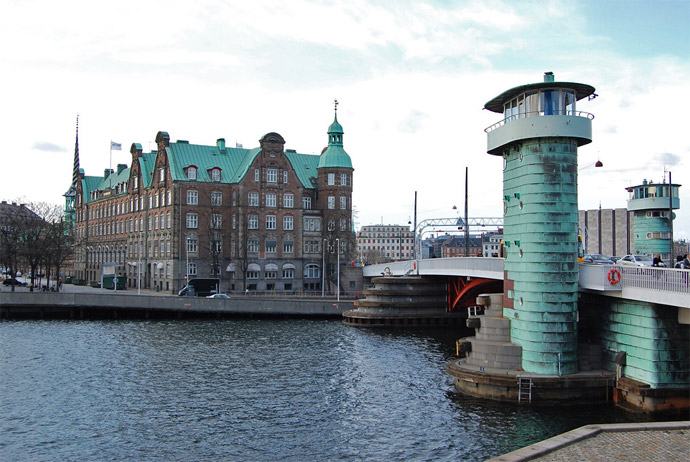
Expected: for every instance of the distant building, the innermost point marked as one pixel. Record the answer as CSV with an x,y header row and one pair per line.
x,y
454,246
606,231
265,218
385,242
491,244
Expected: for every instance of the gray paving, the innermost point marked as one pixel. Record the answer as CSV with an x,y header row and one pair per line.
x,y
636,442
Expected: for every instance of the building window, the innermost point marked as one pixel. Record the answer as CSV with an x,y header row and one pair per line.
x,y
157,203
288,247
216,221
271,274
253,221
252,275
331,202
343,203
270,246
192,245
288,201
312,224
270,222
331,179
216,198
161,174
343,179
169,193
331,224
155,222
288,274
272,175
285,176
192,197
191,173
215,174
216,246
169,221
312,271
288,223
191,268
306,203
192,220
270,200
136,182
343,224
256,175
253,199
234,221
252,246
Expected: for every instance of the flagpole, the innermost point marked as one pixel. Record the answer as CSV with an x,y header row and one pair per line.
x,y
110,174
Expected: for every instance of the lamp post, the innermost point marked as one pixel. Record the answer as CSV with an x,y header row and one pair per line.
x,y
323,269
186,272
337,241
139,266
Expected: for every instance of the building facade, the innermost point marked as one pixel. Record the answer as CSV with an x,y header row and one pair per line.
x,y
265,218
385,242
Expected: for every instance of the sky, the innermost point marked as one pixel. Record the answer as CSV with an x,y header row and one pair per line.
x,y
411,78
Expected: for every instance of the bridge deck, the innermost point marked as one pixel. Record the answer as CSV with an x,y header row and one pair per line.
x,y
666,286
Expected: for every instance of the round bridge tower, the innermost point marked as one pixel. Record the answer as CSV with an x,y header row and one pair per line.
x,y
538,139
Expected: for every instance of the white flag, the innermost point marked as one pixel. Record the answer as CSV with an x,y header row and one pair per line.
x,y
115,146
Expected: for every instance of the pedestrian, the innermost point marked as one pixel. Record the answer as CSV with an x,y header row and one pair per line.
x,y
657,260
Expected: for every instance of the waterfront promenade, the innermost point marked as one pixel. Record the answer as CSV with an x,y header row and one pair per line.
x,y
632,442
87,302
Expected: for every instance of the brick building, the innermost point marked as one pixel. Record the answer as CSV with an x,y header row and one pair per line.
x,y
265,218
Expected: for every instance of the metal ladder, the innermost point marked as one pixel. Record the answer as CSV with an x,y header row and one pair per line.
x,y
524,389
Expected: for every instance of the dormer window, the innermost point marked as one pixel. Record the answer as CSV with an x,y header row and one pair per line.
x,y
191,172
215,174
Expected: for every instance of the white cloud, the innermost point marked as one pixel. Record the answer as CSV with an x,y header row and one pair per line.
x,y
412,78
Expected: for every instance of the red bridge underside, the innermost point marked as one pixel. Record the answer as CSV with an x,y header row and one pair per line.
x,y
463,291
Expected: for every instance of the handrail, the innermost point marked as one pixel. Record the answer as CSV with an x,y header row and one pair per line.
x,y
537,114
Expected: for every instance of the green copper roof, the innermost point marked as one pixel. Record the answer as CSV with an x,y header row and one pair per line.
x,y
335,156
335,127
305,166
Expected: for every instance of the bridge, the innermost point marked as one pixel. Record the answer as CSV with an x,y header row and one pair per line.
x,y
665,286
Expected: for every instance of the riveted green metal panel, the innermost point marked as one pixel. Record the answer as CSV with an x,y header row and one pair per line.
x,y
657,346
541,220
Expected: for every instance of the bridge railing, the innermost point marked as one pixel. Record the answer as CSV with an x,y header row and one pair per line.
x,y
488,267
659,285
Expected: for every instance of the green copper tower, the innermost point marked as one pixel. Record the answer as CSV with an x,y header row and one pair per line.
x,y
652,206
538,139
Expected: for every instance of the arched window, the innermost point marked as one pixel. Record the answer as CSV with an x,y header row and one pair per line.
x,y
312,270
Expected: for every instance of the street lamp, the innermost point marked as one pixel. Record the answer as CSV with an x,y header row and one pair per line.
x,y
187,266
323,269
337,241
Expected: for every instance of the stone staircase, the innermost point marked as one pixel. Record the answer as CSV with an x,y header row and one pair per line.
x,y
491,346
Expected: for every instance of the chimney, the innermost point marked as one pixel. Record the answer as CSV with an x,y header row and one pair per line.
x,y
548,77
220,143
120,168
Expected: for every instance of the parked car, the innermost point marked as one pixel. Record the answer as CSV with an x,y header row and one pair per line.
x,y
614,259
219,296
635,260
598,259
13,282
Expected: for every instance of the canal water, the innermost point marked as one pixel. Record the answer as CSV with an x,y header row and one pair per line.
x,y
250,390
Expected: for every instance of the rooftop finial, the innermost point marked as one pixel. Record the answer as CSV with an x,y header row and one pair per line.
x,y
335,103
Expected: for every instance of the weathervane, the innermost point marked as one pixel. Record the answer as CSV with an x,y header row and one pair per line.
x,y
335,102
